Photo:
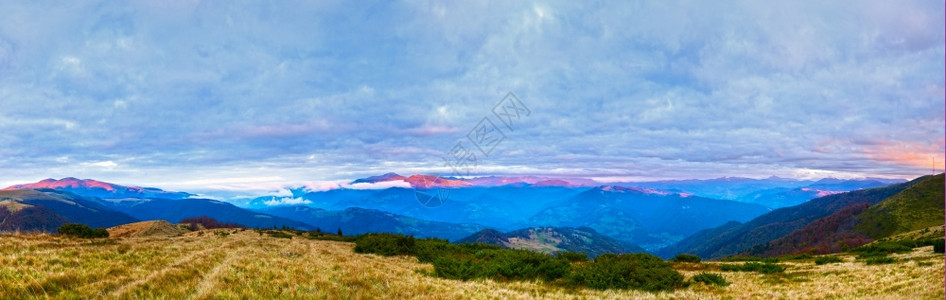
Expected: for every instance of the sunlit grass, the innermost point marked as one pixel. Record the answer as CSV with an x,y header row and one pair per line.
x,y
246,265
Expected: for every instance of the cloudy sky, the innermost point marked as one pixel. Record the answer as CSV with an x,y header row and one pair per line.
x,y
186,94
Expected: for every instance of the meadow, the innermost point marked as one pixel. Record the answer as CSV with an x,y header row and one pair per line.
x,y
240,264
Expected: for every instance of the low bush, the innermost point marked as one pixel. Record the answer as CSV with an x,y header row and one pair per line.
x,y
572,256
710,279
883,248
428,250
764,268
628,271
385,244
794,257
82,231
687,258
880,260
472,261
827,260
501,264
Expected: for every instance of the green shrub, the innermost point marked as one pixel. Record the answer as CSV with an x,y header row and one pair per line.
x,y
866,255
880,260
827,260
472,261
687,258
628,271
572,256
710,279
764,268
82,231
501,264
457,268
938,246
98,233
794,257
427,250
385,244
889,247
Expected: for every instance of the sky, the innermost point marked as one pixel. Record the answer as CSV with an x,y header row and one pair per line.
x,y
254,95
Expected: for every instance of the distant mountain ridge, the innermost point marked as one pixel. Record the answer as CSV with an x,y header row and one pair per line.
x,y
104,190
176,210
643,216
416,181
355,221
785,197
47,204
430,181
652,215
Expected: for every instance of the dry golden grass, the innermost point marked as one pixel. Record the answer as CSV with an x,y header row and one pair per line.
x,y
146,229
247,265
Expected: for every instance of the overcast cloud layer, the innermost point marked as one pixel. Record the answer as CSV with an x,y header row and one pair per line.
x,y
186,94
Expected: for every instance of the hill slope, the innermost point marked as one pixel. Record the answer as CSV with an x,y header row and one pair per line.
x,y
918,207
831,234
159,228
553,239
175,210
776,224
643,216
17,217
45,210
354,221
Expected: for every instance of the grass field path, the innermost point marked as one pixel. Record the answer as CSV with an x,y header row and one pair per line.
x,y
186,259
210,280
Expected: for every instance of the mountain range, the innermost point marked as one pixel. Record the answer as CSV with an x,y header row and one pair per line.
x,y
710,218
821,225
47,209
354,221
99,189
553,240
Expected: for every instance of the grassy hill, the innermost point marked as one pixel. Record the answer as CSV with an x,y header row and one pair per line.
x,y
45,210
244,264
917,207
831,234
157,228
731,238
